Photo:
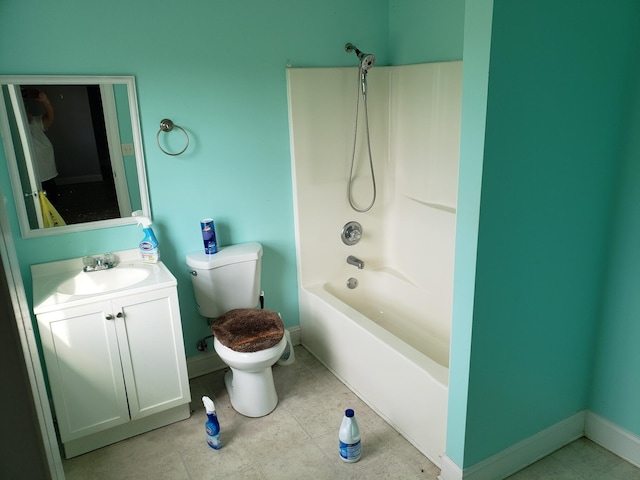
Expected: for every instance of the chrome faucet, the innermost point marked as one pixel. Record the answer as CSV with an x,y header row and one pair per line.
x,y
351,260
98,262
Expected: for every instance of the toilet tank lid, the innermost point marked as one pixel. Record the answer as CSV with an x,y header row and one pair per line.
x,y
242,252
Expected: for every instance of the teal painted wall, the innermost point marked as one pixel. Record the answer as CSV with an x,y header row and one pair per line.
x,y
559,83
425,31
217,69
616,386
477,44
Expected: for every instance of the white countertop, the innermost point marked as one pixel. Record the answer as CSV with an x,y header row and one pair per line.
x,y
47,277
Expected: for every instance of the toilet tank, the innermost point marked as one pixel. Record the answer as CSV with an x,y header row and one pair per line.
x,y
226,280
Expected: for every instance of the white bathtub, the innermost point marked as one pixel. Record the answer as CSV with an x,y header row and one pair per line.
x,y
385,341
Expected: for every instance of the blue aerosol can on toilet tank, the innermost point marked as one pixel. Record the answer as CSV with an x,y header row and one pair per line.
x,y
209,236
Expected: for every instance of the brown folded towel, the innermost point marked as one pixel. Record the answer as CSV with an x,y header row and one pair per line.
x,y
248,329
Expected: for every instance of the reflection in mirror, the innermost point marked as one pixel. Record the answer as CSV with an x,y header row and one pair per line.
x,y
74,152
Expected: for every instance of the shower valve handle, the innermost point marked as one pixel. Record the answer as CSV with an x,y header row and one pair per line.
x,y
351,233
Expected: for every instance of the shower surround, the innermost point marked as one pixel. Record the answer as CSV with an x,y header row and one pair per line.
x,y
387,339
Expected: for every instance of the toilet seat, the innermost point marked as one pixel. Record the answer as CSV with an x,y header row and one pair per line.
x,y
248,330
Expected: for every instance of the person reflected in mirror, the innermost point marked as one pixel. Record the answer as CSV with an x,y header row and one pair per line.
x,y
42,146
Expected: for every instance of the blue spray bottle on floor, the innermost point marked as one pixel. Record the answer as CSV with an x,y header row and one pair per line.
x,y
212,426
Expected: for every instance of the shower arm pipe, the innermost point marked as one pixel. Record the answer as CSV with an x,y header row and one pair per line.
x,y
350,47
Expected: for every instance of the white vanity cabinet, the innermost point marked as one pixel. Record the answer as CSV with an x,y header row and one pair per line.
x,y
116,365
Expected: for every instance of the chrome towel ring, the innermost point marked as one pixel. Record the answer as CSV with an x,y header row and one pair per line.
x,y
167,125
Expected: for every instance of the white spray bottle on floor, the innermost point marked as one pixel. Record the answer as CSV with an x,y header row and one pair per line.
x,y
212,426
349,438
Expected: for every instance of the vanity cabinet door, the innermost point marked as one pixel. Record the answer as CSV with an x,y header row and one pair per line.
x,y
82,356
153,363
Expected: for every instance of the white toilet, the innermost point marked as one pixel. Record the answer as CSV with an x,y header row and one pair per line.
x,y
227,288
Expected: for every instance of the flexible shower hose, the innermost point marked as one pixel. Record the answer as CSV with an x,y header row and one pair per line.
x,y
361,89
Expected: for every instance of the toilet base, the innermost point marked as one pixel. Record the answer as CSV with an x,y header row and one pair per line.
x,y
252,394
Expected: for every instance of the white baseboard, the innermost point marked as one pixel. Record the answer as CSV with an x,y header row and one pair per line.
x,y
520,455
449,470
295,335
516,457
208,362
612,437
204,363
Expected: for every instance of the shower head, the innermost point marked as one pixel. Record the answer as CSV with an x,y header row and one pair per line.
x,y
367,60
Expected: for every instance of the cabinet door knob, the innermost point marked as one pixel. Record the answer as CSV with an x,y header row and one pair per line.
x,y
109,317
120,315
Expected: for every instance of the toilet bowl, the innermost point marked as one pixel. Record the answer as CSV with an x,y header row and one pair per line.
x,y
249,381
227,289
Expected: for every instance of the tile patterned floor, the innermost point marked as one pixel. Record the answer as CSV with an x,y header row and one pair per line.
x,y
299,441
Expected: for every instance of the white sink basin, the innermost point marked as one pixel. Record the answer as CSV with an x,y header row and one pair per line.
x,y
89,283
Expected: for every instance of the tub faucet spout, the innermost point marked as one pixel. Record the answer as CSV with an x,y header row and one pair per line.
x,y
351,260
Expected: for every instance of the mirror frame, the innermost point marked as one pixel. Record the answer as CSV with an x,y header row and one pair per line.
x,y
9,149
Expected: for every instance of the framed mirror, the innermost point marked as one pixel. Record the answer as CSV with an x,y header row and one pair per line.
x,y
74,151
